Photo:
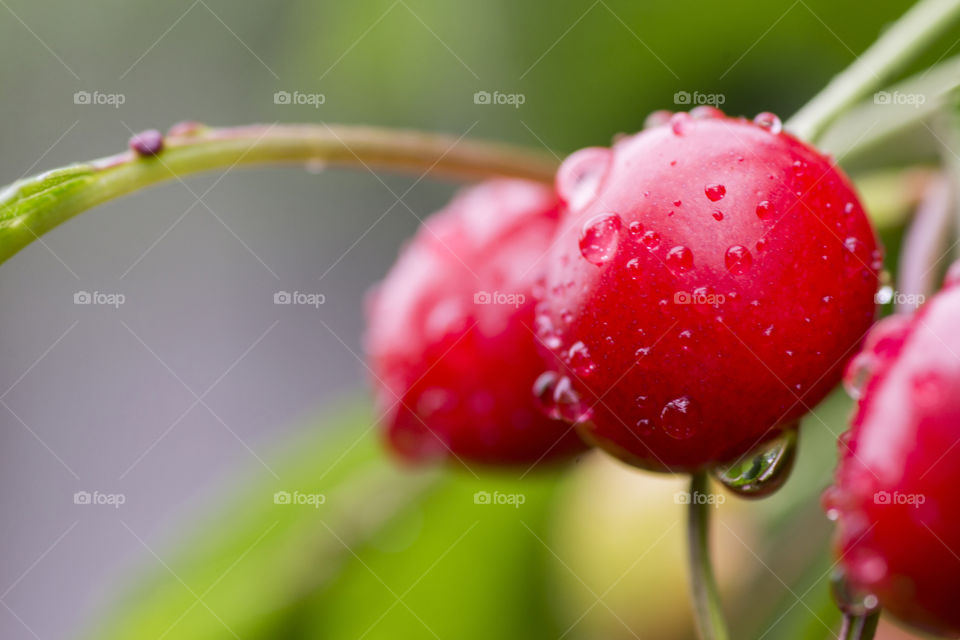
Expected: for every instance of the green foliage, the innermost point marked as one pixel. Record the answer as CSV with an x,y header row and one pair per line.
x,y
385,543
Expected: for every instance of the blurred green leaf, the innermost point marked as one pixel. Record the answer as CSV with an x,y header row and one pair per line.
x,y
389,553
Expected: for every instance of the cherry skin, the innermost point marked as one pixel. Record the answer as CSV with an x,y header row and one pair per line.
x,y
450,333
895,497
708,282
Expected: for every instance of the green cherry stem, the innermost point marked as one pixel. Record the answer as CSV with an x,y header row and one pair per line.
x,y
859,627
707,608
896,48
33,206
861,129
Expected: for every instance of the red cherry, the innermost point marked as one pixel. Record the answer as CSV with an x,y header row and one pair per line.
x,y
717,268
896,498
450,336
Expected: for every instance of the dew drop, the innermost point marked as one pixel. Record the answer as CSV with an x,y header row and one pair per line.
x,y
680,258
578,357
657,118
715,192
857,373
578,179
677,203
569,406
543,392
718,215
556,398
764,210
636,228
645,427
598,238
651,240
768,121
705,111
680,418
679,123
763,471
633,268
848,208
883,295
738,259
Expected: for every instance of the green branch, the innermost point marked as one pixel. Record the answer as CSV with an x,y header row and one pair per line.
x,y
703,585
32,206
896,48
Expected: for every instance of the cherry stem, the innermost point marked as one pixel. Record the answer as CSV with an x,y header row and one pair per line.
x,y
703,585
896,48
859,627
873,122
32,206
923,244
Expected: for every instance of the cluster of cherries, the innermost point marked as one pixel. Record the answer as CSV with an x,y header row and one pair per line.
x,y
679,299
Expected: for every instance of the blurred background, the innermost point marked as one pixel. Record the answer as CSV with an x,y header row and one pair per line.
x,y
191,388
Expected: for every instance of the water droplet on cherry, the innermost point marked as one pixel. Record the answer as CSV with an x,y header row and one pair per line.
x,y
715,192
680,258
768,121
764,210
680,418
599,237
738,260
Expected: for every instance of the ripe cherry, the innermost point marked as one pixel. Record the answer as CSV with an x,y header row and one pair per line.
x,y
896,497
450,336
710,278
